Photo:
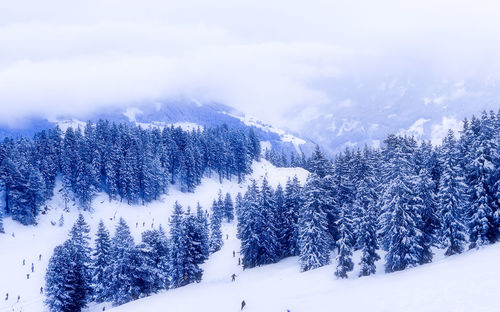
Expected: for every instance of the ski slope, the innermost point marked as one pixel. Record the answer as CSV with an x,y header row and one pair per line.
x,y
468,282
29,242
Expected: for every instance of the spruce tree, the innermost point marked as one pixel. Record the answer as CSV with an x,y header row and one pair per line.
x,y
158,250
121,267
314,238
228,208
366,200
178,252
452,233
63,281
101,265
216,241
80,238
344,243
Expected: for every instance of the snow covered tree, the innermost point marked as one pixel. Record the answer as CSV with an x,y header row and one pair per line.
x,y
63,278
400,219
177,251
80,238
193,253
121,267
480,179
344,243
158,250
289,229
366,200
216,241
452,233
228,208
314,238
203,232
101,265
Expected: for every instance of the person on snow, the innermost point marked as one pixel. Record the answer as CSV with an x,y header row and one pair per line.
x,y
234,254
41,290
243,304
32,267
7,296
233,277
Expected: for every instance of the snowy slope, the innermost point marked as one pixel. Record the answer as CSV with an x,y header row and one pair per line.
x,y
467,282
21,242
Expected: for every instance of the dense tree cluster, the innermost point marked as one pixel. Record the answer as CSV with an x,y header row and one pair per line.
x,y
127,162
119,270
405,198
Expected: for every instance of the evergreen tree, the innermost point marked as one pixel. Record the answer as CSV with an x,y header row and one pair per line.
x,y
366,200
79,237
122,250
451,189
2,230
204,234
101,265
314,239
216,241
228,208
178,254
158,250
289,229
63,281
193,254
344,256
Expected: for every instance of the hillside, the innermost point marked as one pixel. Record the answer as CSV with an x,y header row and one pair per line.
x,y
460,283
28,242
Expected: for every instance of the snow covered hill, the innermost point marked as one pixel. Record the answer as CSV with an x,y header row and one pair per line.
x,y
29,242
460,283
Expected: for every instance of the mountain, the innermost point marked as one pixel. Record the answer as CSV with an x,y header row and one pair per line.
x,y
364,110
187,114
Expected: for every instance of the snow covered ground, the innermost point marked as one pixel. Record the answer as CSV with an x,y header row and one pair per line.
x,y
468,282
28,243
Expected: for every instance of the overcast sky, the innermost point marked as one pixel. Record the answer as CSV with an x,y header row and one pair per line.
x,y
262,57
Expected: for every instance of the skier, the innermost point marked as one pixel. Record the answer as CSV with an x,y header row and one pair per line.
x,y
24,262
227,236
234,254
239,261
243,304
7,296
143,224
40,257
136,224
28,276
18,298
41,290
233,277
32,267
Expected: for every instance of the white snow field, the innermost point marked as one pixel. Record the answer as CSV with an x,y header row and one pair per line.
x,y
29,242
467,282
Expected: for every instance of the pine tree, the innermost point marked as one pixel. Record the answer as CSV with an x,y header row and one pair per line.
x,y
178,251
366,200
266,222
101,265
400,220
228,208
482,230
203,232
121,268
158,251
289,230
314,239
79,237
63,280
344,256
451,201
216,241
194,254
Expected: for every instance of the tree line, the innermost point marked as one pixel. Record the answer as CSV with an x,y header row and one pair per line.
x,y
126,162
405,198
